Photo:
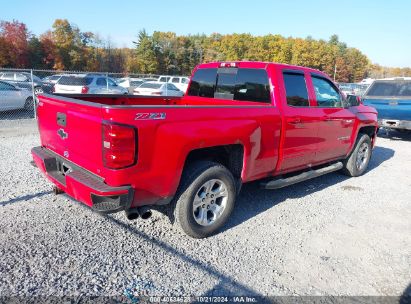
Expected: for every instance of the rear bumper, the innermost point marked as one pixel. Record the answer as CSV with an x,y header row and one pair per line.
x,y
82,185
394,124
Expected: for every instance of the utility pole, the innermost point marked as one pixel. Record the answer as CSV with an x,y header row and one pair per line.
x,y
335,70
34,95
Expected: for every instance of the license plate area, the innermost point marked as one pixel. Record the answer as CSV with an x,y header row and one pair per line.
x,y
390,123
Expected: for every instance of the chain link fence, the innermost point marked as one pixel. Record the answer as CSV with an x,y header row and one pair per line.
x,y
19,88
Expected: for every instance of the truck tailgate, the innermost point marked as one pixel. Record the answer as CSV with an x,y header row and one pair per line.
x,y
390,108
72,130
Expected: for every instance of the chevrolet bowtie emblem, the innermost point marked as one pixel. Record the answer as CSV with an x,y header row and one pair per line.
x,y
63,135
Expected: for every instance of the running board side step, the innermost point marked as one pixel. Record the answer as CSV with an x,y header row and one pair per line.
x,y
284,182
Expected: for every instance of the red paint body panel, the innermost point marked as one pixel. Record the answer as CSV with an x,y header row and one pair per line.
x,y
273,143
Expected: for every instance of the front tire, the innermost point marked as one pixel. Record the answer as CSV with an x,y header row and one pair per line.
x,y
205,199
356,164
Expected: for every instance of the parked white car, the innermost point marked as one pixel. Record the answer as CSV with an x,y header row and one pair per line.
x,y
158,89
88,84
163,78
13,98
52,78
130,83
180,82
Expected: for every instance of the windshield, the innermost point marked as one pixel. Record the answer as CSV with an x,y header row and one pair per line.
x,y
390,88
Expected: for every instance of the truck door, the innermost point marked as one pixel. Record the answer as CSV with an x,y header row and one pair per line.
x,y
335,122
300,123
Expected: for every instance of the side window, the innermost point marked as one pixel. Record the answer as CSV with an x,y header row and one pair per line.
x,y
326,93
21,77
101,82
175,80
171,87
6,87
296,89
184,80
8,76
111,82
203,83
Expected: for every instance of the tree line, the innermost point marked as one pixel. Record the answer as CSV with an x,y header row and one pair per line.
x,y
66,47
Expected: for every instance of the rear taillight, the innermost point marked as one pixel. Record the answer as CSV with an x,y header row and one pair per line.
x,y
119,146
84,90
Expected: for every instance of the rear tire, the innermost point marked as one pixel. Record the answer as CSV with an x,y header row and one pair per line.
x,y
29,104
357,162
205,199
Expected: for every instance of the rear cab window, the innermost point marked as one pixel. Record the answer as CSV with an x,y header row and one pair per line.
x,y
240,84
75,81
390,88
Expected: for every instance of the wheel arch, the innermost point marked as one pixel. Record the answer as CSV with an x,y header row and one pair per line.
x,y
369,130
230,156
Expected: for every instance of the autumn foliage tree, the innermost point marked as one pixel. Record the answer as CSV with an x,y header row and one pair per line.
x,y
15,36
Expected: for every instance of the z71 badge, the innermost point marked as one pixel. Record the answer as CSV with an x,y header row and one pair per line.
x,y
146,116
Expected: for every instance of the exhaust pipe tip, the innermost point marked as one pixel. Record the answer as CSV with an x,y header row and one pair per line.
x,y
132,214
146,214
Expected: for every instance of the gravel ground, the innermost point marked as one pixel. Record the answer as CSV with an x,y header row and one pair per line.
x,y
329,236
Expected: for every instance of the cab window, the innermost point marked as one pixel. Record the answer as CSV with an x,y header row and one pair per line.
x,y
326,93
296,89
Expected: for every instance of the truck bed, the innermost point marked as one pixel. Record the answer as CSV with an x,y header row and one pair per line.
x,y
136,100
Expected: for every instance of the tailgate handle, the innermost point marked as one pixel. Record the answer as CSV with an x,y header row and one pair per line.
x,y
61,119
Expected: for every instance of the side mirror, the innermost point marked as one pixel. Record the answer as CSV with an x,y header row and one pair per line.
x,y
353,100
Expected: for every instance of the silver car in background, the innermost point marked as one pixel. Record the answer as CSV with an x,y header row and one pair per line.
x,y
88,84
130,83
13,98
23,80
151,88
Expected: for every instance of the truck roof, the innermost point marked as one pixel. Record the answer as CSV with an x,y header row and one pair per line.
x,y
252,64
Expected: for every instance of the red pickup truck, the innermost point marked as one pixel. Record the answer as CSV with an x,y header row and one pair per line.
x,y
238,122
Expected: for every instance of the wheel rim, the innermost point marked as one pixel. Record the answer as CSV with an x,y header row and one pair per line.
x,y
362,156
210,202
